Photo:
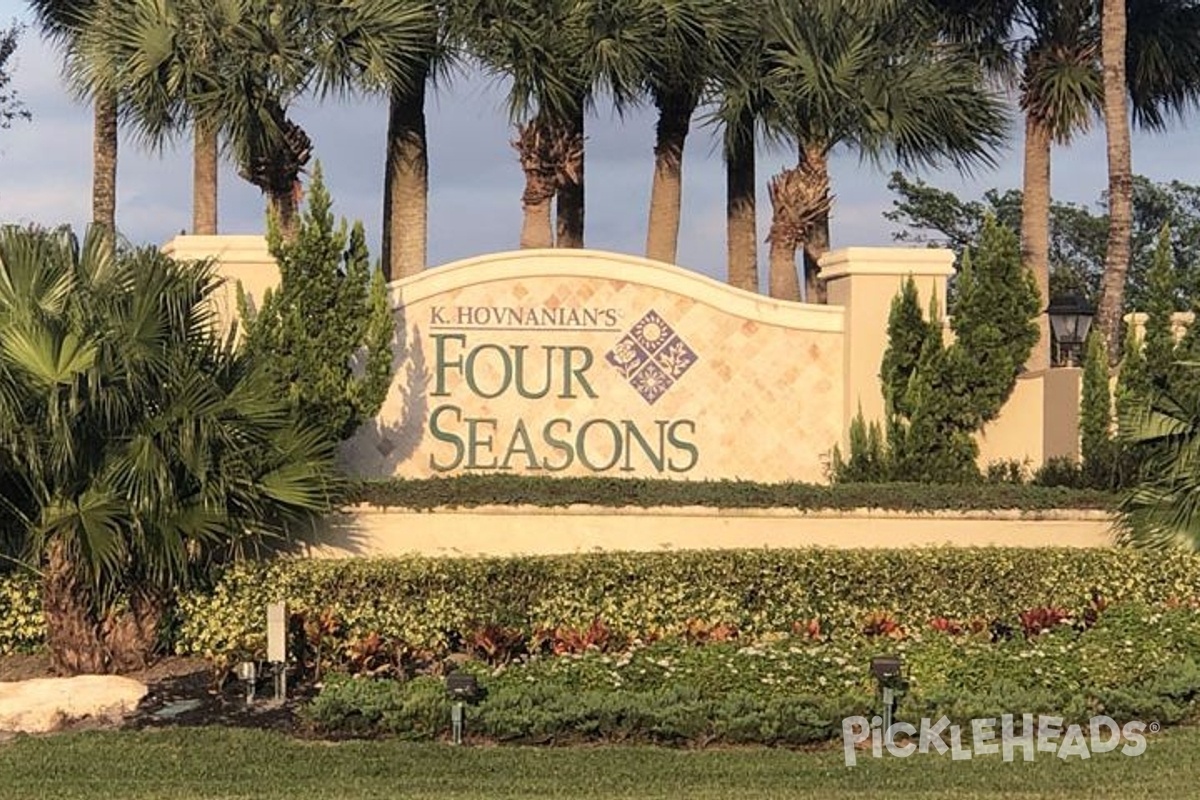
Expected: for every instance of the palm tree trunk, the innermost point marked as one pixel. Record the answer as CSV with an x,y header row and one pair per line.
x,y
799,203
1120,177
666,193
283,206
786,234
817,243
104,162
816,246
131,635
406,184
570,193
540,149
205,163
537,226
72,633
1035,230
784,283
740,210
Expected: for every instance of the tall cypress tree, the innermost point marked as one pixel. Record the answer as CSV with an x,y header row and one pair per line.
x,y
327,331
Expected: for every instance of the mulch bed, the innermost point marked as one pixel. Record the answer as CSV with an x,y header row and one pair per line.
x,y
187,692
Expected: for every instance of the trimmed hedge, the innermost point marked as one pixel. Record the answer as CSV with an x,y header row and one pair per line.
x,y
437,604
470,491
21,625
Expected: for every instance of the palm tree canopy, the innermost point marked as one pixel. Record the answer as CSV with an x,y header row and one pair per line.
x,y
870,74
1050,49
557,53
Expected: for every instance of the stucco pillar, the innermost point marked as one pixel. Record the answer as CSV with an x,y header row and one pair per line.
x,y
864,281
241,260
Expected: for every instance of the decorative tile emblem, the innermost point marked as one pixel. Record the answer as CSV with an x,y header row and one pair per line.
x,y
651,356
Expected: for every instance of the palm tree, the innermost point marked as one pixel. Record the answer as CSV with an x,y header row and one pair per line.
x,y
867,75
741,100
556,54
1163,434
530,45
64,21
156,55
1120,174
266,63
141,448
394,47
1051,49
1165,78
693,37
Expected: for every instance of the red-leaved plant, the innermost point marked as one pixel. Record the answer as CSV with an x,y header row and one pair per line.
x,y
1037,621
881,623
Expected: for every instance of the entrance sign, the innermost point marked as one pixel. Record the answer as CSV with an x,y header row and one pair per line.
x,y
558,362
581,362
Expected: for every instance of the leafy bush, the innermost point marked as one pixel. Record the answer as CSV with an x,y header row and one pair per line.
x,y
510,490
325,333
21,625
938,396
361,706
1062,472
1132,661
439,605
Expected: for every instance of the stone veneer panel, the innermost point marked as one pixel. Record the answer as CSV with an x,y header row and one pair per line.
x,y
671,374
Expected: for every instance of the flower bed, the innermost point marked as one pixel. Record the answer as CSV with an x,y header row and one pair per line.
x,y
1130,661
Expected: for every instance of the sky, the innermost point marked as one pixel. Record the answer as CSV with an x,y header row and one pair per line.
x,y
475,180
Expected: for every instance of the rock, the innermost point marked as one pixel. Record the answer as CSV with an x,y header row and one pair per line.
x,y
46,704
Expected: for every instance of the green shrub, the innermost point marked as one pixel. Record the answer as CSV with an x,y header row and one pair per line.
x,y
21,625
511,490
1009,471
1062,472
364,706
1131,661
437,604
938,396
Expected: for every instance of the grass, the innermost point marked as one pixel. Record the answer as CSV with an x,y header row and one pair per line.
x,y
230,763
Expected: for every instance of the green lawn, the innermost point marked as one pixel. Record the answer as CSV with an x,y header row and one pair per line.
x,y
227,763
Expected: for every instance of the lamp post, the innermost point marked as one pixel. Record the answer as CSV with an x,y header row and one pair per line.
x,y
889,674
462,688
1070,320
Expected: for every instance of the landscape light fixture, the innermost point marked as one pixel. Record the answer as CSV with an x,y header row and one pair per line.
x,y
248,672
462,688
1070,320
889,674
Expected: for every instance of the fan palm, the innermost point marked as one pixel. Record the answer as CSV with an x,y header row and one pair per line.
x,y
1051,50
556,54
140,447
693,38
1163,509
869,76
156,55
64,21
392,47
741,100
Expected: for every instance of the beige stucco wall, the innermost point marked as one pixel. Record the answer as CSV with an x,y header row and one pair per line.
x,y
741,386
864,281
506,530
764,390
242,260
